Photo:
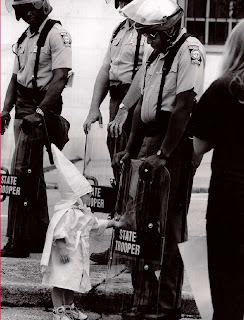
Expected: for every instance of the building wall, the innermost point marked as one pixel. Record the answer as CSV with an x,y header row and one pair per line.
x,y
90,23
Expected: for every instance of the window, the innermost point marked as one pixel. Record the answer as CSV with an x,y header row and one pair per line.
x,y
211,21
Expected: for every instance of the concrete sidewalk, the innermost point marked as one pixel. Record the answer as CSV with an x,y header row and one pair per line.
x,y
21,278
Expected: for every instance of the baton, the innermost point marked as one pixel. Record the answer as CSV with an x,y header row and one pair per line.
x,y
47,143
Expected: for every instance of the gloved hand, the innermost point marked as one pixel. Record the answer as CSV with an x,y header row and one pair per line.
x,y
31,121
5,119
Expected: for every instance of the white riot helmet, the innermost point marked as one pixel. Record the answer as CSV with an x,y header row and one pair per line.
x,y
38,4
116,2
161,15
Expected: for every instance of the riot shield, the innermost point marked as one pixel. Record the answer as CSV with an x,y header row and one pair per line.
x,y
7,148
23,189
97,169
137,246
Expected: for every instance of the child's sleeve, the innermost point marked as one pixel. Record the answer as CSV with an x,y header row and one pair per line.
x,y
99,226
63,227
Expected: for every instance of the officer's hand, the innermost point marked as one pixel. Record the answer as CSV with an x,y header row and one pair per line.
x,y
150,164
5,119
119,158
93,116
115,126
31,121
196,160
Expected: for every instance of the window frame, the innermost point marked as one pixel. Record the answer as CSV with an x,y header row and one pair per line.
x,y
207,20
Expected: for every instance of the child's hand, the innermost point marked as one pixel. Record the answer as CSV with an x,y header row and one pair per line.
x,y
64,256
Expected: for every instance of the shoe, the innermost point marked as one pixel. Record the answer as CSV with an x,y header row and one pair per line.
x,y
100,258
60,314
10,252
76,313
132,314
165,315
135,313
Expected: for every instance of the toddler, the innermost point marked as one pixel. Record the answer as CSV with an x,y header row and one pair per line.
x,y
65,259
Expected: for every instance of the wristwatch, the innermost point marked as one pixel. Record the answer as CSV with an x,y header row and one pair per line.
x,y
39,111
123,107
161,155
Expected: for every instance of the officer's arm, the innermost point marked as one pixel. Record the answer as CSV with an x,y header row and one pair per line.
x,y
11,94
9,102
101,87
100,91
178,121
55,89
201,146
132,96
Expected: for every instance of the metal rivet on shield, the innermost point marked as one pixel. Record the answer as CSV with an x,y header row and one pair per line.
x,y
150,225
146,267
25,203
29,170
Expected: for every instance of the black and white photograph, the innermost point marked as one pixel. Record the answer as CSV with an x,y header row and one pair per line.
x,y
122,159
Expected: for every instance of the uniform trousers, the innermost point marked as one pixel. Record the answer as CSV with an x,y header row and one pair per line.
x,y
117,94
28,213
167,293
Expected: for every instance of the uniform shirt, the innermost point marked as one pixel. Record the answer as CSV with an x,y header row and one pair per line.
x,y
186,73
55,54
121,53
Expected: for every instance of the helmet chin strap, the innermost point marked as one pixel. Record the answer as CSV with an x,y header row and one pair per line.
x,y
172,35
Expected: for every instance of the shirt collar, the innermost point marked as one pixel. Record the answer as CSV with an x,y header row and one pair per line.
x,y
29,34
182,31
127,25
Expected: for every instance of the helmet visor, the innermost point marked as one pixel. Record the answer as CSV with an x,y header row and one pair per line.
x,y
10,4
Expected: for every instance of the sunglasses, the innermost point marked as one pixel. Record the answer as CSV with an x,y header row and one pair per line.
x,y
151,35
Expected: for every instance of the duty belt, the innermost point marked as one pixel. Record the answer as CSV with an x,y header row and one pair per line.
x,y
117,88
29,93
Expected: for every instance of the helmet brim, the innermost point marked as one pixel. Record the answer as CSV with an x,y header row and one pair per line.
x,y
38,4
166,24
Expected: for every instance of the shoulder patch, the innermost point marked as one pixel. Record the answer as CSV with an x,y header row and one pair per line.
x,y
195,54
66,39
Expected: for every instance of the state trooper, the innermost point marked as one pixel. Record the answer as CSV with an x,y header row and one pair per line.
x,y
33,93
172,79
121,62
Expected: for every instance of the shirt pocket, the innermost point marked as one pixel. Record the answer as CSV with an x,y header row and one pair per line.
x,y
115,41
45,56
21,52
171,80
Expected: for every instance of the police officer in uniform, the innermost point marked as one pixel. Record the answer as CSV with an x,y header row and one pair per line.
x,y
121,62
160,121
33,99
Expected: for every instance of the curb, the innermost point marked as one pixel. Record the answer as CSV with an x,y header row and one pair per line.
x,y
98,300
111,292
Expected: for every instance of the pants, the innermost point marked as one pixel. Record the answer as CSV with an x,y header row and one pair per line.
x,y
117,94
169,289
28,214
225,239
